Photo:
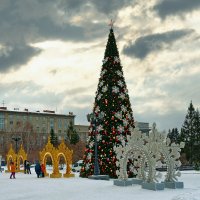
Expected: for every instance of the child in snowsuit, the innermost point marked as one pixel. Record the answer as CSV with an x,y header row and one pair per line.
x,y
12,169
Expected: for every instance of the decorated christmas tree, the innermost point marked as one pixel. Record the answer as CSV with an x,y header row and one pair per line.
x,y
113,105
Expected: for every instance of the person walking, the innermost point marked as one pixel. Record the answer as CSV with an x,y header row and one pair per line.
x,y
25,162
38,169
28,169
12,169
42,169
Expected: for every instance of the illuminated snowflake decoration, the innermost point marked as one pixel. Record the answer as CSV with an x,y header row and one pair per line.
x,y
87,166
120,83
90,130
120,138
105,60
97,109
91,144
118,115
99,137
125,122
116,59
99,96
89,156
128,116
119,73
105,88
88,139
103,72
125,90
115,89
122,96
101,83
123,108
120,128
99,128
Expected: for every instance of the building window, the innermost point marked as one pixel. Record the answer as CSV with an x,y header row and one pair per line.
x,y
51,123
66,124
59,123
2,121
11,119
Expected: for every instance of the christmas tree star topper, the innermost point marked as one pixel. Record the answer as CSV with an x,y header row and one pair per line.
x,y
111,24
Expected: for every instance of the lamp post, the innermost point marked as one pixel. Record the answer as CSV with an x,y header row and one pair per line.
x,y
16,139
95,119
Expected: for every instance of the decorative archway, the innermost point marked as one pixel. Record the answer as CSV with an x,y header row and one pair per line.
x,y
55,153
150,148
64,151
22,155
10,157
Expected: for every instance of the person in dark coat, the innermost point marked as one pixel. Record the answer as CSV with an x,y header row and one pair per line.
x,y
28,169
25,166
38,169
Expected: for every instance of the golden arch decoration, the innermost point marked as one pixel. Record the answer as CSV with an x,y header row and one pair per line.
x,y
11,156
55,154
22,155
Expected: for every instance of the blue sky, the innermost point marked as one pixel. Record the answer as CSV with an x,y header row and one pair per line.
x,y
51,55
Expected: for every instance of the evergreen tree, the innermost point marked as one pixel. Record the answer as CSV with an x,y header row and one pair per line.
x,y
72,134
173,135
53,138
196,145
112,102
188,132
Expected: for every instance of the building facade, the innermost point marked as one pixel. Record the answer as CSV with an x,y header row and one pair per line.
x,y
31,126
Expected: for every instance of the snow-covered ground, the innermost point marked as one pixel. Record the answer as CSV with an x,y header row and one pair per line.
x,y
28,187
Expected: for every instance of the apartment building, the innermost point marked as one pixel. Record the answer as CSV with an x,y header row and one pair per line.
x,y
18,122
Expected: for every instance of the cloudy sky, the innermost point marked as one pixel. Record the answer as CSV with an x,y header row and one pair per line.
x,y
51,54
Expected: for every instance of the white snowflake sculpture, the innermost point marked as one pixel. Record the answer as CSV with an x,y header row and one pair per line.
x,y
148,150
120,83
115,89
105,88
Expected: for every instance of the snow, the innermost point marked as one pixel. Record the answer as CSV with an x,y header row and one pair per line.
x,y
28,187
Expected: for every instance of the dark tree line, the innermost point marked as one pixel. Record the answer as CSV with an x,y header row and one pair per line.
x,y
190,134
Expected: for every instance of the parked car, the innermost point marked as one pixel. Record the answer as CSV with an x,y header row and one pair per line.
x,y
77,166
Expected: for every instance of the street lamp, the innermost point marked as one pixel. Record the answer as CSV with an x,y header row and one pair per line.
x,y
95,119
16,139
